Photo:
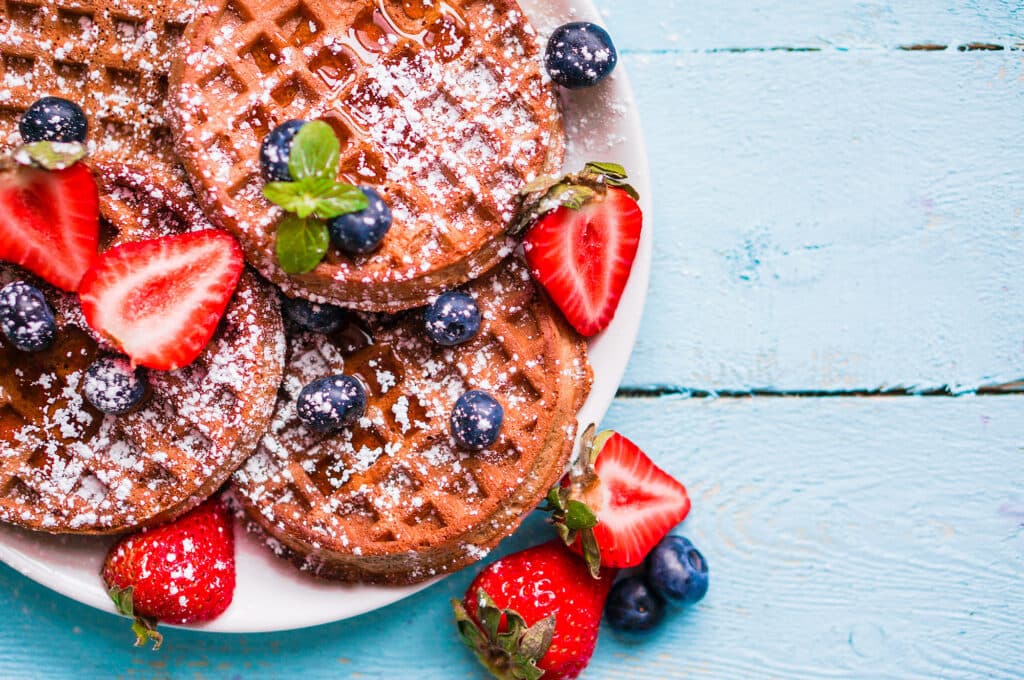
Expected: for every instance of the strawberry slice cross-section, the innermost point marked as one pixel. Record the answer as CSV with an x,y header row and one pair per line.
x,y
583,257
49,222
160,300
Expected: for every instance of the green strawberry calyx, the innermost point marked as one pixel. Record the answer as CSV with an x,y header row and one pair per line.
x,y
572,505
144,627
46,155
312,197
509,654
573,191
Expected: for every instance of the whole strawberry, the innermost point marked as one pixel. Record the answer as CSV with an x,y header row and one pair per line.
x,y
534,613
182,572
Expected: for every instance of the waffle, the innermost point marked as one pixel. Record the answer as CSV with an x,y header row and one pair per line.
x,y
441,106
393,500
112,57
67,468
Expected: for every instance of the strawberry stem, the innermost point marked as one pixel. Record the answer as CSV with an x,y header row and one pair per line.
x,y
144,627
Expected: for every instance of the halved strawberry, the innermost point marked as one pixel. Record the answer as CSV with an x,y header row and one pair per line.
x,y
616,504
160,300
49,222
583,256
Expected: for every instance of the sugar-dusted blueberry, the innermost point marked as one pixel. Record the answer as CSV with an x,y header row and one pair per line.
x,y
113,386
361,232
476,420
332,403
26,318
580,54
633,606
453,319
52,119
276,147
677,571
319,318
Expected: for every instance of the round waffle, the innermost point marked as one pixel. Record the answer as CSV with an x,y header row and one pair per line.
x,y
441,105
393,499
112,57
67,468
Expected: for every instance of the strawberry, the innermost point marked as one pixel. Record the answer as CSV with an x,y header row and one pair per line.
x,y
615,504
50,221
582,246
160,300
535,612
182,572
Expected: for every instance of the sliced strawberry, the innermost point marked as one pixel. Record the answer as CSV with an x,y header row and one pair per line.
x,y
616,504
50,222
583,257
160,300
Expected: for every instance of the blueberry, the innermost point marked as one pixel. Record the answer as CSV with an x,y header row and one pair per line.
x,y
453,319
332,403
112,386
52,119
633,606
275,149
677,571
476,420
312,316
580,55
25,317
361,232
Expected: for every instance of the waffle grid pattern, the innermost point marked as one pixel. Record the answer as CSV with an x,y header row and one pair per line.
x,y
65,467
112,58
408,92
397,482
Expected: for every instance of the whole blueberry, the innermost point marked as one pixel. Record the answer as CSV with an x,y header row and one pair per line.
x,y
580,55
633,606
332,403
275,149
677,571
52,119
453,319
361,232
313,316
26,318
112,386
476,420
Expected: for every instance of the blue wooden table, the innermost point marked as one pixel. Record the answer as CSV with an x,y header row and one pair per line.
x,y
828,359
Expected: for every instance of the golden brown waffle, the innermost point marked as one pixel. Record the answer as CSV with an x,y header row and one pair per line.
x,y
67,468
112,57
393,499
442,106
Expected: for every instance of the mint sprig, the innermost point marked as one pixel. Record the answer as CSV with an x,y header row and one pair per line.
x,y
313,196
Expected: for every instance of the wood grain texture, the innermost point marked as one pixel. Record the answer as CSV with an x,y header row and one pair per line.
x,y
847,538
683,25
834,221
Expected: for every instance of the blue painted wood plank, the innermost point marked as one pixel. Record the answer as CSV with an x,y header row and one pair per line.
x,y
657,25
878,538
834,221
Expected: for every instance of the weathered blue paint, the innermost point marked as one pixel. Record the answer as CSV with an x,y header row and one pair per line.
x,y
847,538
834,221
842,219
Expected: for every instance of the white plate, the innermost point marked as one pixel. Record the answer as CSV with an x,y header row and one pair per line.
x,y
602,124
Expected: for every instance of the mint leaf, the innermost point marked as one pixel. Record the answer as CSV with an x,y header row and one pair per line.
x,y
50,155
315,152
340,199
301,243
302,197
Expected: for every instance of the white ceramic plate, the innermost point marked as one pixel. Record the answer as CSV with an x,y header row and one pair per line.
x,y
602,124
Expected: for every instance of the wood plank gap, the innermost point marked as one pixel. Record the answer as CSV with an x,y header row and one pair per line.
x,y
971,46
666,391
